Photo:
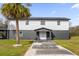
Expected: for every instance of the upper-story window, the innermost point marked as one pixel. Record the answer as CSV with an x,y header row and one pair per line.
x,y
42,22
27,22
58,22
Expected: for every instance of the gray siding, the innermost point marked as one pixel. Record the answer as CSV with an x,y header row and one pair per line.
x,y
64,34
11,34
29,34
26,34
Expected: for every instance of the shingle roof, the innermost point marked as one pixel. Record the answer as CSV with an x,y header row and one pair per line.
x,y
44,18
49,18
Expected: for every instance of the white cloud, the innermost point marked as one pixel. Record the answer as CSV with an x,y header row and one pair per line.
x,y
75,6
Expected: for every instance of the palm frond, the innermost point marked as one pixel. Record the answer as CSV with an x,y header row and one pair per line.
x,y
15,10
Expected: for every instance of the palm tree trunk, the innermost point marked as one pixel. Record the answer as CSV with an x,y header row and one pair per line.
x,y
17,32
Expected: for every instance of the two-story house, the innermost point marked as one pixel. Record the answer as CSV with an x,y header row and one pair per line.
x,y
40,28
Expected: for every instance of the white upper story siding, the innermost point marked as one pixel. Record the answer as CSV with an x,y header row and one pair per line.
x,y
35,24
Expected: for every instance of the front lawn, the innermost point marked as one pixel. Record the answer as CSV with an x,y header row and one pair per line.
x,y
7,49
71,44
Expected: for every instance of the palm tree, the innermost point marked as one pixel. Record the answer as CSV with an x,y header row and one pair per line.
x,y
15,11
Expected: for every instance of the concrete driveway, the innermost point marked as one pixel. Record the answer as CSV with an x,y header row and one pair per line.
x,y
48,48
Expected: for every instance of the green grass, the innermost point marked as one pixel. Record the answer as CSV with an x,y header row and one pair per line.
x,y
7,49
71,44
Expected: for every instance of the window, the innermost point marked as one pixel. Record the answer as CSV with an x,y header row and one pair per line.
x,y
21,34
58,22
27,22
42,22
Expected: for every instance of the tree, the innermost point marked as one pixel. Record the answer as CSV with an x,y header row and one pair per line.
x,y
74,31
15,11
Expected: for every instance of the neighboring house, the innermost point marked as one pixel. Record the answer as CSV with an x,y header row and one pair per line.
x,y
40,28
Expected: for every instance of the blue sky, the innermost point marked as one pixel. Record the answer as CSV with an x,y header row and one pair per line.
x,y
69,10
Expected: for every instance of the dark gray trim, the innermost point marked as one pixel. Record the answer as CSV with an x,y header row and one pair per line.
x,y
43,18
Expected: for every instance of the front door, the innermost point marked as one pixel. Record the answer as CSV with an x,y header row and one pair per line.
x,y
42,36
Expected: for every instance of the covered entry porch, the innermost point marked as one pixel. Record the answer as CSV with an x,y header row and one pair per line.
x,y
43,34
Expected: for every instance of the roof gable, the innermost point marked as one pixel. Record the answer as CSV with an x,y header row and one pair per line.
x,y
43,29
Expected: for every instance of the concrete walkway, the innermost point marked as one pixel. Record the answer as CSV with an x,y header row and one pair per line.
x,y
49,49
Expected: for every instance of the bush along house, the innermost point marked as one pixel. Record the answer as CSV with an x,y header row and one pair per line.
x,y
4,30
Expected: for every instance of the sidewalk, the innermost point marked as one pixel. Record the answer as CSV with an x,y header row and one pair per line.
x,y
49,49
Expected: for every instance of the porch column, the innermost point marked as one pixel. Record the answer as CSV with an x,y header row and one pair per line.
x,y
50,35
